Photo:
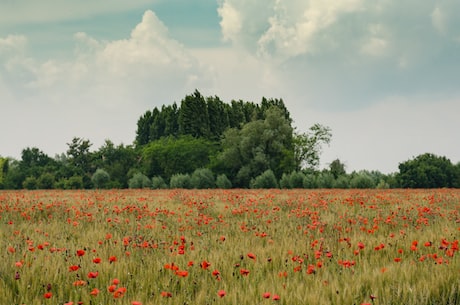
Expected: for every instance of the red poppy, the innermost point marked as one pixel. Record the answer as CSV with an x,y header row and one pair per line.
x,y
115,281
205,264
182,273
166,294
266,295
112,288
48,295
93,275
112,259
74,268
252,256
244,272
97,260
80,252
94,292
136,303
276,297
221,293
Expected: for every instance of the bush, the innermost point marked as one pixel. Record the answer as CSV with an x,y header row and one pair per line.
x,y
100,178
46,181
159,183
362,181
296,180
325,180
180,181
139,181
266,180
309,182
30,183
203,178
223,182
342,182
284,181
74,183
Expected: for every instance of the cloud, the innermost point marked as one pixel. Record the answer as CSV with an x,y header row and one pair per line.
x,y
100,90
20,12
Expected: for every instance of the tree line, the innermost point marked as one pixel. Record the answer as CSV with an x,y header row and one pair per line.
x,y
207,143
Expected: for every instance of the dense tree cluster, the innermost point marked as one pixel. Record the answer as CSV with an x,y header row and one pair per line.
x,y
206,143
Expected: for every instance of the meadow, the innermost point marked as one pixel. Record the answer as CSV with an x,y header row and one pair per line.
x,y
230,247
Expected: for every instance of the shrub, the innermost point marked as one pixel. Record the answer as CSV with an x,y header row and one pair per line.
x,y
100,178
74,183
362,181
296,180
265,180
309,182
180,181
223,182
159,183
139,181
30,183
342,182
46,181
203,178
284,181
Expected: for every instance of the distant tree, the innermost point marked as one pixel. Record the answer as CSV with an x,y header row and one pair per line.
x,y
143,128
100,178
3,171
46,181
308,146
30,183
193,116
426,171
223,182
218,117
202,178
80,159
265,180
180,181
159,183
139,181
362,180
337,168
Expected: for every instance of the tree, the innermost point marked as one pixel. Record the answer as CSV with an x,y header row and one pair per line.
x,y
256,147
100,178
3,171
139,181
426,171
203,178
143,128
337,168
265,180
80,159
223,182
308,146
193,116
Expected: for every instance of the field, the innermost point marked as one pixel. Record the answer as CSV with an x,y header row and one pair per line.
x,y
230,247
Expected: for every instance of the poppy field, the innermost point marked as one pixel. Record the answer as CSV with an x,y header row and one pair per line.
x,y
241,247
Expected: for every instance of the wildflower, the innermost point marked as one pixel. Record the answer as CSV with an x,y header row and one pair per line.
x,y
252,256
205,264
244,272
80,252
266,295
221,293
112,259
115,281
79,283
74,268
97,260
166,294
94,292
276,297
136,303
48,295
93,275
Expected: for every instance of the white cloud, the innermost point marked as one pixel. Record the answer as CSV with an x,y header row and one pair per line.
x,y
20,12
438,20
230,23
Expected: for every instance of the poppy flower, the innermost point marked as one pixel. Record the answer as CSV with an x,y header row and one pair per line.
x,y
166,294
244,272
221,293
112,259
276,297
115,281
97,260
205,265
136,303
48,295
112,288
252,256
93,275
266,295
182,273
74,268
80,252
94,292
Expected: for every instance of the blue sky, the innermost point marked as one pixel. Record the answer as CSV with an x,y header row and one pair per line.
x,y
384,75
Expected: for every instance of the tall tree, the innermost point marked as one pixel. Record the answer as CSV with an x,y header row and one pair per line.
x,y
143,128
193,116
218,117
308,146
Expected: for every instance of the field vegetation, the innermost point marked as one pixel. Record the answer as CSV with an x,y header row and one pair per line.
x,y
176,246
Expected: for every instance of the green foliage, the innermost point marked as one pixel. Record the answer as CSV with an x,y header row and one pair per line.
x,y
223,182
266,180
308,146
427,171
180,181
293,180
100,178
30,183
46,181
193,116
362,180
139,181
202,178
325,180
342,182
3,171
337,168
170,155
309,182
159,183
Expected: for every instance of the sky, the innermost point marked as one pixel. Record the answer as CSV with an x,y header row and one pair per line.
x,y
384,75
